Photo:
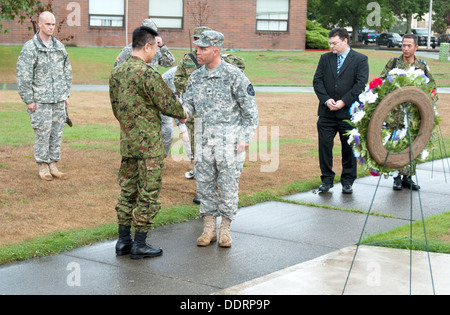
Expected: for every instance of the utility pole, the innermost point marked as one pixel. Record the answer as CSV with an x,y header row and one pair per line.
x,y
429,25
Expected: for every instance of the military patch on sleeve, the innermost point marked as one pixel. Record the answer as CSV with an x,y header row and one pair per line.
x,y
118,59
250,90
424,62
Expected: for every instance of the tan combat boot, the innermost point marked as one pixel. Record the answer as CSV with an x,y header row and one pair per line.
x,y
44,172
209,231
224,233
56,173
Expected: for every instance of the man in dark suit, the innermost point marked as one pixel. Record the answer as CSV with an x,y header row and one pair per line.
x,y
339,79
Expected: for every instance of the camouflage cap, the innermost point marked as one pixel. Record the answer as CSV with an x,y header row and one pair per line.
x,y
210,38
234,60
199,30
150,23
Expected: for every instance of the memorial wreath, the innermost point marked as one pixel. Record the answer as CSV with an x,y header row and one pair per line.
x,y
400,126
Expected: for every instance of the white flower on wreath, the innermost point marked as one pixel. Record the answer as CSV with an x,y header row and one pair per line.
x,y
413,72
368,97
356,118
354,136
424,154
386,139
397,71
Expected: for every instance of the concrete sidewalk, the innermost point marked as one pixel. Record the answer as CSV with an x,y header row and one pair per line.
x,y
278,248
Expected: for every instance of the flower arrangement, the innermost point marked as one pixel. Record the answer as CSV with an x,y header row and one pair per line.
x,y
396,125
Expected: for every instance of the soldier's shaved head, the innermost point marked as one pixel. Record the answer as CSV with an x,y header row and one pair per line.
x,y
46,15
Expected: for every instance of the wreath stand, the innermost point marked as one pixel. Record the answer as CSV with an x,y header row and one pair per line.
x,y
397,160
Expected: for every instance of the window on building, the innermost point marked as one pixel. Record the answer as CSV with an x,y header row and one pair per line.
x,y
272,15
109,13
166,13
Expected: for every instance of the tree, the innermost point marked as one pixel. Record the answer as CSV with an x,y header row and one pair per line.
x,y
441,15
28,10
199,10
405,9
353,13
21,9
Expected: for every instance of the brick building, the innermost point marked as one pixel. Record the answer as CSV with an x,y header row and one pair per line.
x,y
246,24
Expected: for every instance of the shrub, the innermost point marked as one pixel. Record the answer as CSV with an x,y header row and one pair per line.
x,y
316,36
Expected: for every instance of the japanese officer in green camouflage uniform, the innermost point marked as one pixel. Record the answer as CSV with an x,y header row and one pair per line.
x,y
138,97
224,100
407,60
163,57
44,78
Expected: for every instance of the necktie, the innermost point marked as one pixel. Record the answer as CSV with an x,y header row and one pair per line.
x,y
339,63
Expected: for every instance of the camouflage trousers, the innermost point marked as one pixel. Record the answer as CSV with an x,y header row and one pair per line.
x,y
217,173
48,122
140,183
167,133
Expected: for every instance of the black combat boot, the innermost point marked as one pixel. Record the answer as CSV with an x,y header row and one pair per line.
x,y
123,245
141,249
398,183
407,182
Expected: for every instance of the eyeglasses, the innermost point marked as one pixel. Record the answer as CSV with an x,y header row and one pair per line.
x,y
335,43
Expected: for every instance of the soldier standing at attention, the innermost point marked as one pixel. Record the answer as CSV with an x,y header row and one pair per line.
x,y
44,78
407,60
138,97
224,100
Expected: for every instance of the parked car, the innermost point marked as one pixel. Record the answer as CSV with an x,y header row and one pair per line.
x,y
445,38
367,36
422,33
389,39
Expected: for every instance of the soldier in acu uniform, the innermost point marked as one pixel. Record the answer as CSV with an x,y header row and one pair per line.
x,y
406,61
138,97
185,68
224,100
187,65
44,78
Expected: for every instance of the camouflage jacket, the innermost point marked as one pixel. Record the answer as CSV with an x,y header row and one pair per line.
x,y
44,74
138,96
184,71
187,66
400,64
223,99
163,57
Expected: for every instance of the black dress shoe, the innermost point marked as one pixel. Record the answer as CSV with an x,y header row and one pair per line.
x,y
407,182
347,189
325,187
397,183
